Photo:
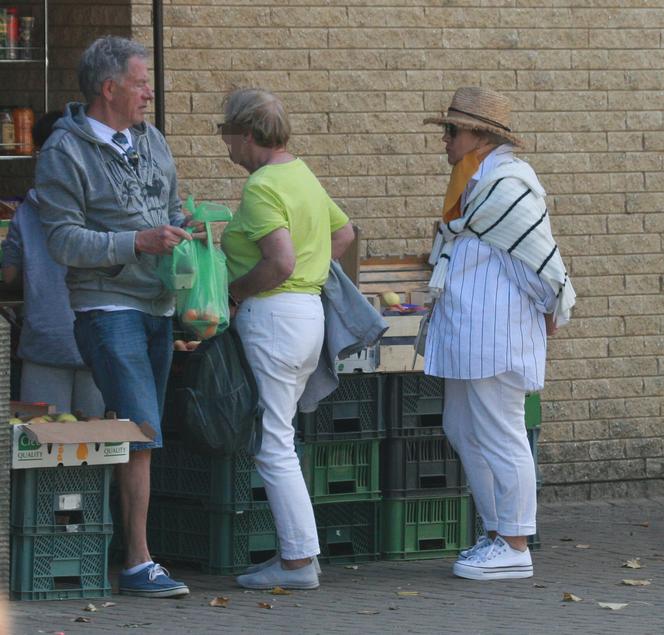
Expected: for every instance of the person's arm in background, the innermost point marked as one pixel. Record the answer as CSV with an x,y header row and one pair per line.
x,y
12,254
341,240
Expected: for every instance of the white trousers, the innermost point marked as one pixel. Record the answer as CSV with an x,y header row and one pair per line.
x,y
69,389
282,337
484,421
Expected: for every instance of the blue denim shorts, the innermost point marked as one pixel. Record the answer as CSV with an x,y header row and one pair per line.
x,y
129,353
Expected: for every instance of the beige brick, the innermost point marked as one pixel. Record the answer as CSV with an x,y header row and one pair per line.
x,y
643,325
601,388
365,38
624,38
650,202
554,38
577,348
593,429
309,16
563,141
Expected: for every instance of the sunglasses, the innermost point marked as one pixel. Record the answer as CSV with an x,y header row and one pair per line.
x,y
226,129
451,130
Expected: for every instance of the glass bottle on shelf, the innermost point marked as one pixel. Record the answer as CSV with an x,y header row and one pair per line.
x,y
6,132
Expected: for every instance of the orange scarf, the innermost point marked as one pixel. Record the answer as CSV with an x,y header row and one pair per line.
x,y
462,172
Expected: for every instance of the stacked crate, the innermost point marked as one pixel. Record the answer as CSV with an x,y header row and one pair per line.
x,y
341,466
213,511
427,512
61,528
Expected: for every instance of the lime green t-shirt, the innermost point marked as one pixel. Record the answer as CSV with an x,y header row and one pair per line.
x,y
284,195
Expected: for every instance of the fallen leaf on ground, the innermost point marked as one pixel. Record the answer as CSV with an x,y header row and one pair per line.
x,y
583,546
539,586
136,624
107,605
90,608
633,564
221,601
614,606
570,597
645,524
567,540
279,591
265,605
393,607
354,567
407,594
632,582
369,612
82,619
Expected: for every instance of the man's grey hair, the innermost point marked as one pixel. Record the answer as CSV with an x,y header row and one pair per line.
x,y
106,58
261,112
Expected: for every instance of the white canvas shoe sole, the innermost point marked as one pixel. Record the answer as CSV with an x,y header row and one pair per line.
x,y
273,575
476,571
275,558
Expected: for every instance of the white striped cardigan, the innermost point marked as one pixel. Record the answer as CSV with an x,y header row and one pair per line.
x,y
507,209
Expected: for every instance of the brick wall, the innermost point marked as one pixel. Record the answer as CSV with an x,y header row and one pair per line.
x,y
587,84
358,78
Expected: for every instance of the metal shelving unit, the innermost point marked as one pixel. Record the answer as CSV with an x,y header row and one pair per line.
x,y
43,61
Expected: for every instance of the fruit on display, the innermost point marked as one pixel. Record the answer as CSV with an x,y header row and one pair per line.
x,y
389,298
42,419
66,417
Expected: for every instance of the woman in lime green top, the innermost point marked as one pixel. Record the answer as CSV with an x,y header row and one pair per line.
x,y
279,245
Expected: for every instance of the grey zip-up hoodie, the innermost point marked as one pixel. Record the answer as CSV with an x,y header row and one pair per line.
x,y
92,202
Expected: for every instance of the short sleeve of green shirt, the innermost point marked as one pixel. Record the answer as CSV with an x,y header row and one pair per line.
x,y
263,212
337,217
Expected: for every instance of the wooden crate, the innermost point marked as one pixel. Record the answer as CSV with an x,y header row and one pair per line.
x,y
408,277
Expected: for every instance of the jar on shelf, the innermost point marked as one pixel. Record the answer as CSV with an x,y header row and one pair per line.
x,y
3,33
12,33
24,119
6,132
26,37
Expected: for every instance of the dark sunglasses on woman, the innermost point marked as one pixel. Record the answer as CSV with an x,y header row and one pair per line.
x,y
451,130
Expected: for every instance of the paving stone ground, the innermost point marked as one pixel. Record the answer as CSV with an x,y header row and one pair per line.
x,y
367,600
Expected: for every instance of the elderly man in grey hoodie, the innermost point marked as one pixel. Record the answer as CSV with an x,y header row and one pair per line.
x,y
108,200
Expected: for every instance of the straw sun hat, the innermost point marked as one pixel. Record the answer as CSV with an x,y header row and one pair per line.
x,y
479,109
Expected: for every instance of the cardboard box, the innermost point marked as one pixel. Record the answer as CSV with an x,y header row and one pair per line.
x,y
366,361
397,345
75,443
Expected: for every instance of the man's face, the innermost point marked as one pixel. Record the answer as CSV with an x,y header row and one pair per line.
x,y
132,93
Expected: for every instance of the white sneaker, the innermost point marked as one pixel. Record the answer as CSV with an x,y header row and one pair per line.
x,y
277,558
274,575
498,562
483,542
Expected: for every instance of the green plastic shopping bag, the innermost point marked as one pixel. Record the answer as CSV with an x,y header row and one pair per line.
x,y
196,272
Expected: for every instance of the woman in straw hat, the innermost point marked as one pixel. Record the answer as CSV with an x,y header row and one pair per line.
x,y
502,288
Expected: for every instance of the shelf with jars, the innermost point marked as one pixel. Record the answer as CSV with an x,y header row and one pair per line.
x,y
22,48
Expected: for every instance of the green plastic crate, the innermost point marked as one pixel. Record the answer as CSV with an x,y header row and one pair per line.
x,y
348,532
353,411
533,408
422,528
216,541
59,566
415,467
48,500
415,404
342,471
230,483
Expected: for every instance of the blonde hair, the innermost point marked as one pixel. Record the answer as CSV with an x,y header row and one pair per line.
x,y
260,112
